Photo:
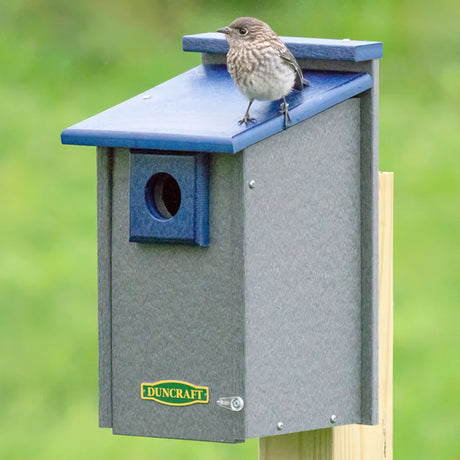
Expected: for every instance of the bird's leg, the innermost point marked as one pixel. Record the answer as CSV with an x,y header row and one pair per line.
x,y
247,119
284,110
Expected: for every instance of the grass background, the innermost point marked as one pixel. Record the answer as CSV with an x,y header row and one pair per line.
x,y
63,61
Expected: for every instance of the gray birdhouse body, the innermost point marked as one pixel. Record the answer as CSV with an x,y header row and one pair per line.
x,y
237,265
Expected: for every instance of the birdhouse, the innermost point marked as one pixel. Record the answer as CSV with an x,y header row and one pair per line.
x,y
237,265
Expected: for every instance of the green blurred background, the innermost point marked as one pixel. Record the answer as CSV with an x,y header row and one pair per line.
x,y
63,61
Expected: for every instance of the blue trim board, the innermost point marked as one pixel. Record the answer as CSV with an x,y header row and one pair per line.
x,y
190,223
313,48
199,111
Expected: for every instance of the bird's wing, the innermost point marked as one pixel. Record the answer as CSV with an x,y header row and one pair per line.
x,y
289,58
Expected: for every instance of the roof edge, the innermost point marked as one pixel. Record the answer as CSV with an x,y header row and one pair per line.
x,y
301,47
136,140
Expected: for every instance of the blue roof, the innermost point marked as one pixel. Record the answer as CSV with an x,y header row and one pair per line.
x,y
301,47
199,110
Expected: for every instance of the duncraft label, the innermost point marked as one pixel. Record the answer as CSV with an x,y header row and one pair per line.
x,y
175,393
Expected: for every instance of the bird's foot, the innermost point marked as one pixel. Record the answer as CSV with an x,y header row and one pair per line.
x,y
246,120
284,110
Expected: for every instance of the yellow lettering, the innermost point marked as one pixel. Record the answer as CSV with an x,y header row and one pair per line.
x,y
171,393
150,391
199,394
179,393
193,392
187,394
165,392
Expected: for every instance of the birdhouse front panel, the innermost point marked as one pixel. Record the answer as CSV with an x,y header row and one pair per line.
x,y
177,318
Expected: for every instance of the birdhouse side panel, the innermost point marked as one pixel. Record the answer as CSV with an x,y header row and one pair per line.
x,y
303,275
104,280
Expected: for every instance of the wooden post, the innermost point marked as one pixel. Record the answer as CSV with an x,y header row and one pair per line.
x,y
356,442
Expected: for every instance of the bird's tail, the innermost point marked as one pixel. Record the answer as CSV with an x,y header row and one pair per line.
x,y
305,82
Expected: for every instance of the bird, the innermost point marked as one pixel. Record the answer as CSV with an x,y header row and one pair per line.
x,y
260,65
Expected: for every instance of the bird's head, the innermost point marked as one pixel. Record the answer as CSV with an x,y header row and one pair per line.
x,y
246,29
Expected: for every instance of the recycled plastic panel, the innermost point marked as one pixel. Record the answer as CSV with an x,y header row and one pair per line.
x,y
303,276
199,111
301,47
177,313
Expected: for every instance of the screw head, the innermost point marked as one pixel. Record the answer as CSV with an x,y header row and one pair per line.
x,y
280,426
333,418
252,183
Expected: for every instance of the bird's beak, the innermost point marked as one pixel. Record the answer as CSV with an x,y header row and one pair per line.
x,y
224,30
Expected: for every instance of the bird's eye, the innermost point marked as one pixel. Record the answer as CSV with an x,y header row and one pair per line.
x,y
243,31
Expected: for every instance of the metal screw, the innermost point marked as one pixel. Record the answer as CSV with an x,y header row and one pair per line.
x,y
252,183
236,403
280,426
333,418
